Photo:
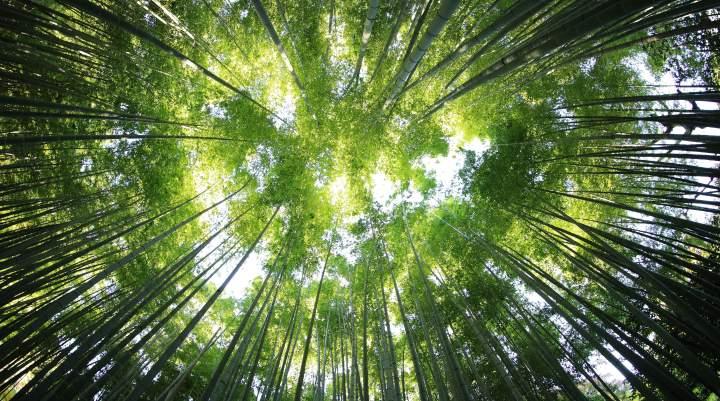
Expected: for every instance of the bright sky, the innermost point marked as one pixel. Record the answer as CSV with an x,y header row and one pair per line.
x,y
250,270
444,169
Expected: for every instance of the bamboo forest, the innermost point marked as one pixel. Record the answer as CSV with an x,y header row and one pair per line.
x,y
359,200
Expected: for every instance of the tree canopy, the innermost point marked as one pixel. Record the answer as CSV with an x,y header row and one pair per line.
x,y
343,200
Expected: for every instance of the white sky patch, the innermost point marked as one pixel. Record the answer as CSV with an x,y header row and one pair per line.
x,y
285,110
189,64
248,272
606,370
346,248
588,64
396,329
86,165
114,144
535,299
215,110
149,19
639,63
343,283
445,169
214,220
412,196
251,269
386,193
400,122
382,187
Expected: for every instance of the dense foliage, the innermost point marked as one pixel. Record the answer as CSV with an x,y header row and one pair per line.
x,y
331,199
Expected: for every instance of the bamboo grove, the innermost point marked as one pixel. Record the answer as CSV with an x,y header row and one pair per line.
x,y
189,202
